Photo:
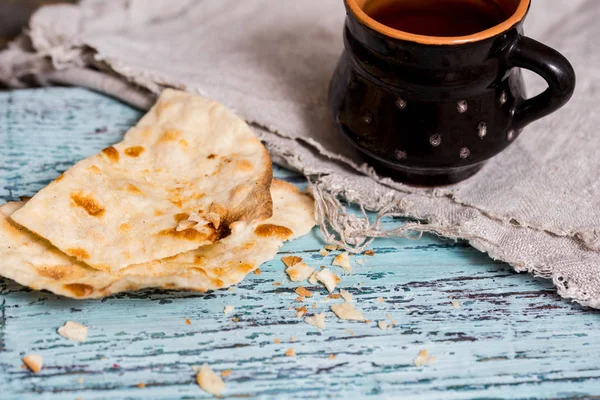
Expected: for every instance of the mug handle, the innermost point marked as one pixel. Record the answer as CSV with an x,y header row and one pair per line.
x,y
550,65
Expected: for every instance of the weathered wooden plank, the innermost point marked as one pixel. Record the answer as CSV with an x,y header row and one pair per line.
x,y
512,337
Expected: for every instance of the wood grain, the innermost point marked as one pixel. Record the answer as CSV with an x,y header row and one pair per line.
x,y
511,337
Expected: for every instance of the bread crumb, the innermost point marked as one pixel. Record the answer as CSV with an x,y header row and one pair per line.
x,y
424,359
290,353
299,272
300,291
342,260
80,380
141,385
226,373
34,362
231,289
455,303
331,356
257,271
313,278
209,381
314,305
347,296
236,319
380,300
291,260
329,279
347,311
360,261
293,339
276,283
73,331
317,320
188,321
299,299
323,252
276,341
228,309
331,247
301,311
333,296
369,253
383,325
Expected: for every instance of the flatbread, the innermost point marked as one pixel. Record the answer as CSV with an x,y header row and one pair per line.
x,y
188,156
34,262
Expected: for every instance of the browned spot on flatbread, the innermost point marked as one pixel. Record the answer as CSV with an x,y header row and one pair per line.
x,y
186,191
134,151
79,253
273,231
55,273
78,289
199,260
244,166
187,234
133,189
246,268
183,143
217,283
88,203
60,178
212,156
158,213
218,271
170,135
111,153
94,170
181,217
124,227
177,202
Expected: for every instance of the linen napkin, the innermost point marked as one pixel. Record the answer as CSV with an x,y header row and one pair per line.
x,y
536,206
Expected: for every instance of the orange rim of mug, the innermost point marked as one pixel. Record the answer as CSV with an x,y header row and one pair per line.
x,y
364,18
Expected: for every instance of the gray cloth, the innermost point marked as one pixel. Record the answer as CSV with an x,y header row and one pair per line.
x,y
536,206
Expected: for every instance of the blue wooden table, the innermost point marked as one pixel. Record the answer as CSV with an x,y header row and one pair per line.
x,y
510,337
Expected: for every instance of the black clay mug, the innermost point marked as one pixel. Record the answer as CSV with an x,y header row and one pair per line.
x,y
430,104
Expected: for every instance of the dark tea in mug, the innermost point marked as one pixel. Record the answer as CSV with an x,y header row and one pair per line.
x,y
445,18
